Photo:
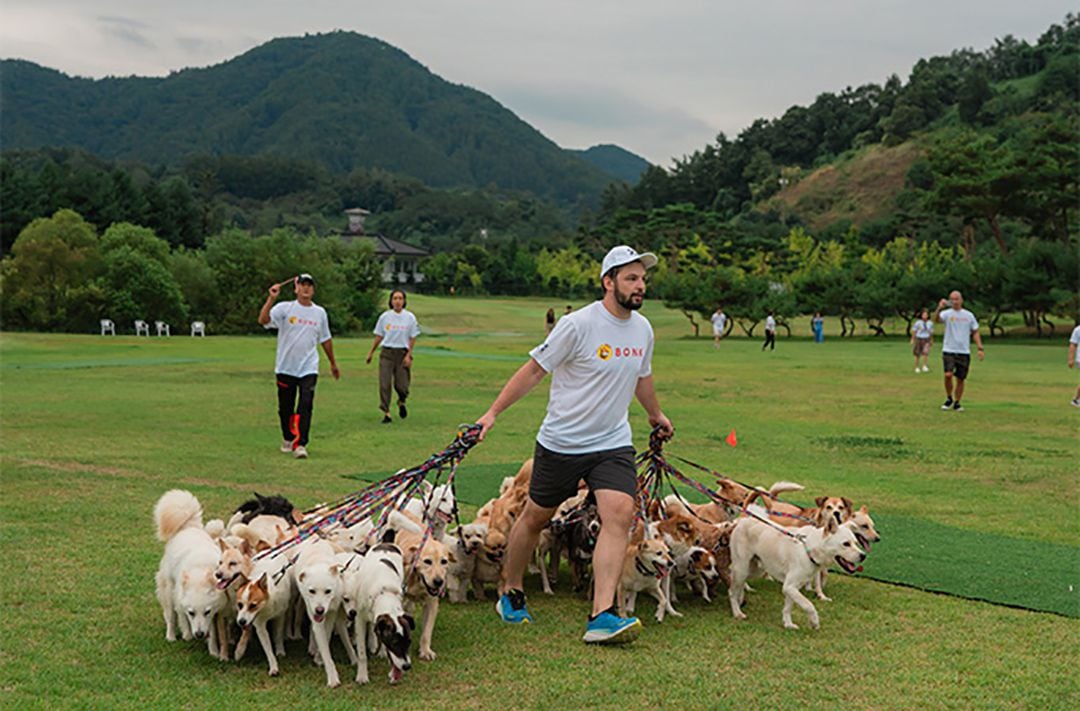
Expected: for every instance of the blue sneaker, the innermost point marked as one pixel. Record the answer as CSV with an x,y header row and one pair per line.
x,y
607,628
511,608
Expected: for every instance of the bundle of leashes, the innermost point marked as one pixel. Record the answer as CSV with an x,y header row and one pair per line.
x,y
654,471
376,501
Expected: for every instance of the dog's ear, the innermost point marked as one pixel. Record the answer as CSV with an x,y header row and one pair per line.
x,y
301,576
820,501
408,620
863,510
696,555
335,570
222,545
412,551
261,546
245,548
848,506
384,623
684,527
262,582
388,536
451,557
296,516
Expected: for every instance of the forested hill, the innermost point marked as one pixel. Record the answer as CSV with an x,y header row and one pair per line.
x,y
617,162
343,100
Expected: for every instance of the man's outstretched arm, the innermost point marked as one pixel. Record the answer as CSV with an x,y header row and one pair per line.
x,y
518,386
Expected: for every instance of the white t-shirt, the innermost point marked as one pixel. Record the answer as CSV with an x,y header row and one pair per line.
x,y
923,329
397,329
300,330
718,320
1075,339
595,360
770,323
958,328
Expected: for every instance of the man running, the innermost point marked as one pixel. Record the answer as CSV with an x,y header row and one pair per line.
x,y
719,320
960,327
600,359
301,326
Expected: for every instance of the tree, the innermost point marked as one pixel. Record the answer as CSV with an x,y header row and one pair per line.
x,y
137,286
49,279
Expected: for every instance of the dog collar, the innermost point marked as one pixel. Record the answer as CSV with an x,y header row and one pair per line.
x,y
643,570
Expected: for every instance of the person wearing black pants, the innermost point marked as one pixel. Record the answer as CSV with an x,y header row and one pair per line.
x,y
302,325
288,388
770,333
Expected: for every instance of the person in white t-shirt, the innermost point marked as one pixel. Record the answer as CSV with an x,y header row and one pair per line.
x,y
302,326
1074,359
719,321
396,332
600,358
960,328
770,333
922,337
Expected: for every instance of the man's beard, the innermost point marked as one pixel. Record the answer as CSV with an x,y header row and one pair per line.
x,y
627,300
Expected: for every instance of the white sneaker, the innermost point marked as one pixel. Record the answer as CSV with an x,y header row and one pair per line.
x,y
286,446
917,370
925,369
300,452
1076,402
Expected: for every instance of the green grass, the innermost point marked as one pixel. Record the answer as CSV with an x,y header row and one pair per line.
x,y
94,430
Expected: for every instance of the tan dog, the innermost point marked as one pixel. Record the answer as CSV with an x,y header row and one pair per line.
x,y
862,526
647,564
426,582
836,508
734,495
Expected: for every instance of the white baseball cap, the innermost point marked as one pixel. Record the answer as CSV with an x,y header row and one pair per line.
x,y
622,254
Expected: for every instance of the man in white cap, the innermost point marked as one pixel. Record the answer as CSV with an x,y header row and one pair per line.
x,y
600,358
301,325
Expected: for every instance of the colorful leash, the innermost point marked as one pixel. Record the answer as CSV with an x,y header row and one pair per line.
x,y
378,498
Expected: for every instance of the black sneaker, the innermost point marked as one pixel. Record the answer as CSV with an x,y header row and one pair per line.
x,y
957,407
386,419
948,404
401,411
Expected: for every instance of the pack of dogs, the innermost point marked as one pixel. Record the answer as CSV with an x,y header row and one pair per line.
x,y
365,586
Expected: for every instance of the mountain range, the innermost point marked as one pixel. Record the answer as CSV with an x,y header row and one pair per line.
x,y
341,99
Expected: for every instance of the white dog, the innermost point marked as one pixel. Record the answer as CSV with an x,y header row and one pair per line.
x,y
758,547
440,507
317,575
380,612
186,587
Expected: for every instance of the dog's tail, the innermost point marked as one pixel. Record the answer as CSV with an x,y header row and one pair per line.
x,y
399,521
782,486
215,527
176,510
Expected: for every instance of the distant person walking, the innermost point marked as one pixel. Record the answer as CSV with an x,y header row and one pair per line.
x,y
817,325
396,331
922,337
770,333
960,327
302,326
569,310
1074,359
549,321
719,321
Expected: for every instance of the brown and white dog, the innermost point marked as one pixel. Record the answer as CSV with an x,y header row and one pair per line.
x,y
380,616
697,568
734,495
263,600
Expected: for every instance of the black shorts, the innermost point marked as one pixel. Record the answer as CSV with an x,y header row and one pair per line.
x,y
957,364
555,476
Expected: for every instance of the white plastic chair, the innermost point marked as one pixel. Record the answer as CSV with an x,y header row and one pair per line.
x,y
162,328
108,328
198,328
142,328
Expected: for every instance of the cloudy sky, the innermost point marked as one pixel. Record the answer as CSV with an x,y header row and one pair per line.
x,y
658,77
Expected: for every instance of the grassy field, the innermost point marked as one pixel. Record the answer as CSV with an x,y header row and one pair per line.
x,y
94,430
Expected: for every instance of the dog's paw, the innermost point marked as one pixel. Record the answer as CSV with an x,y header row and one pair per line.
x,y
791,626
824,597
815,622
362,678
428,655
273,671
675,613
549,591
740,615
333,681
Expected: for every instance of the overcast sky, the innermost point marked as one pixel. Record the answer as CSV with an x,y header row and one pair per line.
x,y
659,77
